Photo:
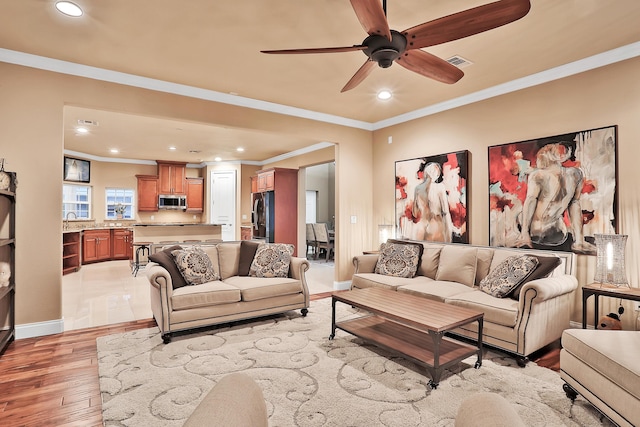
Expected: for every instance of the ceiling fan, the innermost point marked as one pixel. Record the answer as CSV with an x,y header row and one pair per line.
x,y
384,46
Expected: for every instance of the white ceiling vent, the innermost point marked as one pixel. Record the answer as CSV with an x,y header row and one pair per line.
x,y
82,122
459,61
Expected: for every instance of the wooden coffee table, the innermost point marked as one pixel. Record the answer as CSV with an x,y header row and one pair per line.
x,y
411,325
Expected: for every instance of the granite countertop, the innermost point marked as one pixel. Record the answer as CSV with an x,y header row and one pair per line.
x,y
164,224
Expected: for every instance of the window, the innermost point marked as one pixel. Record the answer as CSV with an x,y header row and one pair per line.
x,y
120,201
76,199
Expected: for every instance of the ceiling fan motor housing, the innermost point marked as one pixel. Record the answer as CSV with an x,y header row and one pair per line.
x,y
383,51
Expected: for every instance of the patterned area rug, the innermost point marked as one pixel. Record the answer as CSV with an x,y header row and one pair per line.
x,y
308,380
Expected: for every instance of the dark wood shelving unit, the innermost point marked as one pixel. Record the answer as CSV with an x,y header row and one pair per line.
x,y
70,252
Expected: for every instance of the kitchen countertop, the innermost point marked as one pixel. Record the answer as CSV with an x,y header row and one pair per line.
x,y
165,224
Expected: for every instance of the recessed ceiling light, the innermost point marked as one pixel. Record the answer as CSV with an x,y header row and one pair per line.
x,y
172,148
218,159
82,130
239,149
114,150
68,8
383,95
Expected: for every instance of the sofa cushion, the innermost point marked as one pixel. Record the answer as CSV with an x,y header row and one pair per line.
x,y
373,280
483,265
165,259
613,354
399,259
271,260
546,265
458,264
508,275
248,250
256,288
207,294
433,289
429,262
501,311
229,258
195,266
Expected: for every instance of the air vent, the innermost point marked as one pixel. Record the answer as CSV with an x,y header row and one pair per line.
x,y
459,61
87,122
195,151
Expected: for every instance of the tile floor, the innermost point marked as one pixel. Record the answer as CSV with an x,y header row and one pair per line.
x,y
105,293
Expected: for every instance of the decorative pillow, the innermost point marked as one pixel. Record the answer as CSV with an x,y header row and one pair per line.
x,y
457,264
165,259
418,245
195,266
248,250
399,259
503,279
271,260
546,265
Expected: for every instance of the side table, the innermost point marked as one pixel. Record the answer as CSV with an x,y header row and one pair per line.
x,y
598,290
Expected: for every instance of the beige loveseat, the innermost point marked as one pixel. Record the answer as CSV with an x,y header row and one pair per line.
x,y
451,273
233,297
603,367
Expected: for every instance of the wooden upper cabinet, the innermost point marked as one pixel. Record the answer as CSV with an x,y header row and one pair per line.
x,y
172,177
254,184
147,193
195,194
266,180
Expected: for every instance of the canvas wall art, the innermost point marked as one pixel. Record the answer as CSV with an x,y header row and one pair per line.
x,y
554,193
431,198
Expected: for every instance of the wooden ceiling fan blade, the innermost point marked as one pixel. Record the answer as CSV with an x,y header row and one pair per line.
x,y
430,66
466,23
317,50
372,17
360,75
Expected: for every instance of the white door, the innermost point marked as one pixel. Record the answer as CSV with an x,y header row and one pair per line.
x,y
223,202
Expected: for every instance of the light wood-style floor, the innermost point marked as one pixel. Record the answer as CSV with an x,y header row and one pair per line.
x,y
53,380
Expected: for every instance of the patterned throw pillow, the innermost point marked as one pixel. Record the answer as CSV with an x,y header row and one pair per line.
x,y
271,260
508,275
195,266
398,259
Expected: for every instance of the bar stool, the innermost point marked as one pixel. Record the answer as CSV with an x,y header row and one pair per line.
x,y
141,247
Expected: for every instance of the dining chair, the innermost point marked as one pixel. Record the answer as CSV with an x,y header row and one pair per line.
x,y
322,239
311,239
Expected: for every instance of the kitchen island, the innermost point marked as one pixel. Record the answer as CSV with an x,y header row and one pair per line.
x,y
175,232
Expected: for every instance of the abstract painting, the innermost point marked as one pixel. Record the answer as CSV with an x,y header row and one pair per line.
x,y
554,193
431,198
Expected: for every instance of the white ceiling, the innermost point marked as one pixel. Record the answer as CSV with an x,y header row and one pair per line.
x,y
215,46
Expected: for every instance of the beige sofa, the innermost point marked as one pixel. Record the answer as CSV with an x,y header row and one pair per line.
x,y
602,366
232,298
451,273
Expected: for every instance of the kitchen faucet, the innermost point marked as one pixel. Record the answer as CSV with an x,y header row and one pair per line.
x,y
66,220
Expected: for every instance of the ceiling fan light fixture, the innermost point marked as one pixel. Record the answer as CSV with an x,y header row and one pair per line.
x,y
218,159
68,8
384,95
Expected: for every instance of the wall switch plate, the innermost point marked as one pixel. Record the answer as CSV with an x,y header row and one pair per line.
x,y
354,219
244,216
153,217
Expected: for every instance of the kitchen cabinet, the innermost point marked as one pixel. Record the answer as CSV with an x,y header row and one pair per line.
x,y
254,184
266,180
8,261
70,252
147,193
96,245
195,194
172,177
121,243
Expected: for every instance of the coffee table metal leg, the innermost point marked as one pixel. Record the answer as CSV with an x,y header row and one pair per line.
x,y
436,370
333,319
480,325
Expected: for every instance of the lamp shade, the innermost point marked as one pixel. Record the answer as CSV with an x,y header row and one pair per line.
x,y
385,231
610,267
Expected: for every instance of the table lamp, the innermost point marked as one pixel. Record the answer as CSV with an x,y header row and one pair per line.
x,y
610,267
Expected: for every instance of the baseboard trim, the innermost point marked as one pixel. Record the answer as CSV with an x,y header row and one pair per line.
x,y
31,330
342,286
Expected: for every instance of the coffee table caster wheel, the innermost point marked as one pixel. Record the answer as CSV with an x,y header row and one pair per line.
x,y
332,336
432,385
477,365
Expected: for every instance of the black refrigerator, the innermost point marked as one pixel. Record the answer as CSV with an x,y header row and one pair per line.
x,y
262,216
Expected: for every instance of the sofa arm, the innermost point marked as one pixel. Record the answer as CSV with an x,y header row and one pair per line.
x,y
298,267
365,263
547,288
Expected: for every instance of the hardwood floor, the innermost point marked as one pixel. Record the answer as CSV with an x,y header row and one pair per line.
x,y
53,380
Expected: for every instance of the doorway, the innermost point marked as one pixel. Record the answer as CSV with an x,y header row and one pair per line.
x,y
223,202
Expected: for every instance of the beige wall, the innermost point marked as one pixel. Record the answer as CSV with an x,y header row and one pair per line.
x,y
602,97
31,139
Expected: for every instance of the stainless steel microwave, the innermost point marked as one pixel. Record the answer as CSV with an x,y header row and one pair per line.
x,y
172,201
